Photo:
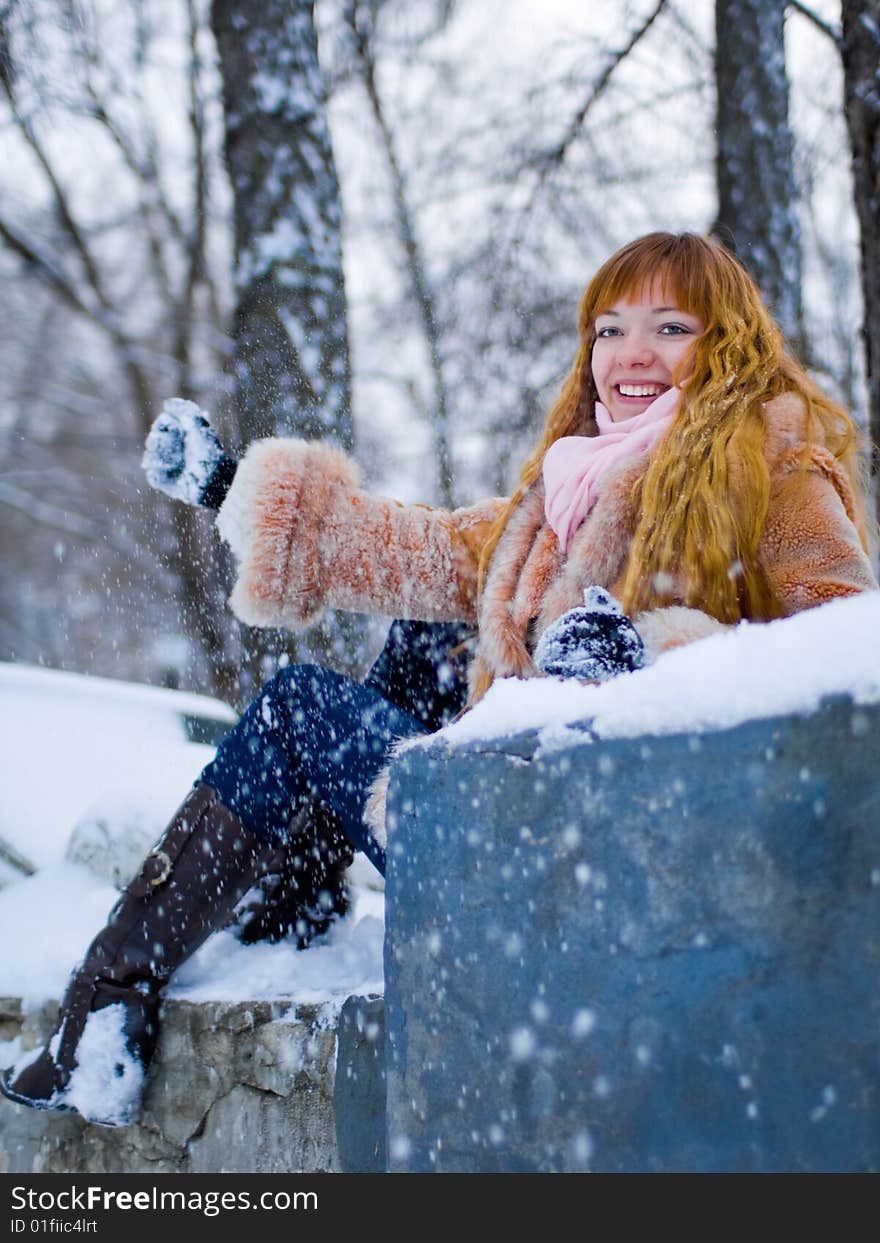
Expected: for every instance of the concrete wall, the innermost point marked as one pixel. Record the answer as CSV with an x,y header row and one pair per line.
x,y
246,1088
639,955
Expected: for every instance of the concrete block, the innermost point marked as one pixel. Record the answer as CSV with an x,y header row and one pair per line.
x,y
647,954
248,1087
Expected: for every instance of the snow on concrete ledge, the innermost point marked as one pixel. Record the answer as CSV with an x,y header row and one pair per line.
x,y
752,671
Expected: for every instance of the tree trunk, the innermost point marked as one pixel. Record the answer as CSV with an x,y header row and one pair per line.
x,y
291,362
861,68
757,196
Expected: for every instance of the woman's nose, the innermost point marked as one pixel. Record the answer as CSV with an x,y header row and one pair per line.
x,y
636,351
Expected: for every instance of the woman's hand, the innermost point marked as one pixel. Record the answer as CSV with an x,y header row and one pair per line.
x,y
594,643
184,458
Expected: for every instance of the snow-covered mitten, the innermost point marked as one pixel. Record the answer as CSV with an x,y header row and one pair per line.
x,y
594,642
184,458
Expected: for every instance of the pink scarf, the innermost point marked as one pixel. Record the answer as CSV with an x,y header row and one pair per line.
x,y
574,465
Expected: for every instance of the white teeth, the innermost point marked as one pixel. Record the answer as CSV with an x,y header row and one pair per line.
x,y
640,390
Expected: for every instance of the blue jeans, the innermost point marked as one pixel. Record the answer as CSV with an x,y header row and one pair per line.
x,y
310,733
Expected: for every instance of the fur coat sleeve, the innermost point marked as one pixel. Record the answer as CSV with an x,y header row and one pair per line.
x,y
810,546
307,537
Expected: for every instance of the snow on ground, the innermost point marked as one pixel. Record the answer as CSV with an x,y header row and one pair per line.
x,y
68,740
46,921
346,960
91,752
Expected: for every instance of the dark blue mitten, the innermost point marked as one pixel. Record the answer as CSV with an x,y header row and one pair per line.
x,y
184,458
595,642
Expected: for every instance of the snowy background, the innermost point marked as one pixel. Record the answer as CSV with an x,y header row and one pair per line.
x,y
477,95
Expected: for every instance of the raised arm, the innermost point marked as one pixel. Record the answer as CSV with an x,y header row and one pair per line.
x,y
307,537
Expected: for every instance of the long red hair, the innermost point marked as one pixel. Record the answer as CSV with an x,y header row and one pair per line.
x,y
691,543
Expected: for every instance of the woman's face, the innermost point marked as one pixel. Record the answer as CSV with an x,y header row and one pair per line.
x,y
638,346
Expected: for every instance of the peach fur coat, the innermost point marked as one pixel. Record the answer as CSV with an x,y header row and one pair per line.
x,y
307,537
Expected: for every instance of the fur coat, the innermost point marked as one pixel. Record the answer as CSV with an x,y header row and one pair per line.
x,y
306,537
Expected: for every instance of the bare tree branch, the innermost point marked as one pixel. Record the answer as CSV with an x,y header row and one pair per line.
x,y
196,248
550,161
47,270
547,161
144,165
147,203
50,515
61,203
833,32
7,68
698,44
10,855
105,314
154,208
51,274
360,23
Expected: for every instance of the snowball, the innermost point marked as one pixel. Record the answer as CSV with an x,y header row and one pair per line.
x,y
182,451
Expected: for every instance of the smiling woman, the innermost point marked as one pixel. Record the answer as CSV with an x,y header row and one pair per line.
x,y
730,441
690,475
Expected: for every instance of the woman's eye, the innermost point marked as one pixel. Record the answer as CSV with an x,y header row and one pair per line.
x,y
673,330
607,332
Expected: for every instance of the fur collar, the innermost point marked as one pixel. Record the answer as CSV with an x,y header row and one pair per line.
x,y
529,584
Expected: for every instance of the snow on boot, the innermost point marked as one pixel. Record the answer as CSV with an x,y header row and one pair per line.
x,y
304,888
108,1027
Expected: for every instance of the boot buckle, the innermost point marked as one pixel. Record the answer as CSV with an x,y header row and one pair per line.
x,y
162,863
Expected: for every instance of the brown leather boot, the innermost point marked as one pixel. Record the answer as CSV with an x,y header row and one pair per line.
x,y
304,887
96,1061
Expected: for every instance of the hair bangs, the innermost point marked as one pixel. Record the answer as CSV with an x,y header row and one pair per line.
x,y
694,270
